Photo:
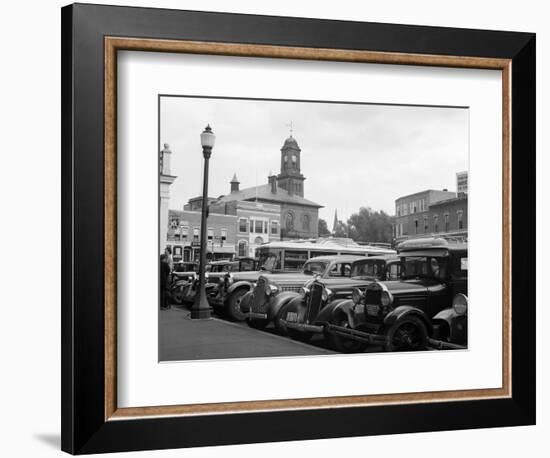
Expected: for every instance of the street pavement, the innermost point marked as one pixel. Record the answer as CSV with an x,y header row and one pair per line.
x,y
181,338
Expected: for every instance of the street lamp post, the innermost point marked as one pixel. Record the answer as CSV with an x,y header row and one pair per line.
x,y
201,308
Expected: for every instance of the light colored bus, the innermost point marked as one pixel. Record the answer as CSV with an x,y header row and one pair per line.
x,y
288,256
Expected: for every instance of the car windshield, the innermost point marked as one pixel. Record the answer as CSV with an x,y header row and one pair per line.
x,y
183,267
314,267
423,266
371,269
269,261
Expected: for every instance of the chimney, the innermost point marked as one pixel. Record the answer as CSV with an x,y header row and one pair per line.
x,y
272,180
234,184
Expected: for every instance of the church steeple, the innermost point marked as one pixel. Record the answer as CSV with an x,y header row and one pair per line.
x,y
291,177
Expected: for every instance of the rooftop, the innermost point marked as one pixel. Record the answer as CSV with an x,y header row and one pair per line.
x,y
263,192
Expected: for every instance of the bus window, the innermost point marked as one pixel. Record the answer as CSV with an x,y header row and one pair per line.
x,y
294,260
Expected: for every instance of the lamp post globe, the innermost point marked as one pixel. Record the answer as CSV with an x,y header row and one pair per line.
x,y
201,309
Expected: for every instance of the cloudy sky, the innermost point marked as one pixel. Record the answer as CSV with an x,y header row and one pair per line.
x,y
352,155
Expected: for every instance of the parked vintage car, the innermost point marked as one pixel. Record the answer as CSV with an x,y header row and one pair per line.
x,y
398,314
183,274
280,257
306,313
265,303
216,271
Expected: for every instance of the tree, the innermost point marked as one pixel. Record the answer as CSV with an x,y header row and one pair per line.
x,y
370,226
322,228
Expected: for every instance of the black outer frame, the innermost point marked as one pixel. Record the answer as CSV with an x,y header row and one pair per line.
x,y
84,429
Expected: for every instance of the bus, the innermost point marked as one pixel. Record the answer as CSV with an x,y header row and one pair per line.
x,y
290,256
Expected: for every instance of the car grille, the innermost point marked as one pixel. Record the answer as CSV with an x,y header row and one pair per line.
x,y
373,296
314,302
295,289
259,299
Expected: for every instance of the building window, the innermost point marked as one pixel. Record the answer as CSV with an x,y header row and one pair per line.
x,y
414,207
289,221
243,249
446,220
224,234
242,225
184,231
415,226
459,214
210,234
305,222
251,225
398,210
195,234
266,229
404,209
425,224
411,207
258,227
436,223
274,227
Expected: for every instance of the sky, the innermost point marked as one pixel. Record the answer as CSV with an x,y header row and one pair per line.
x,y
353,155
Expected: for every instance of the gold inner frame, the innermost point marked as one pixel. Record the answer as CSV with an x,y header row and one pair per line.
x,y
114,44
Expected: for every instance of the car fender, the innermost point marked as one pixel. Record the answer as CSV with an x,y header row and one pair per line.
x,y
279,300
179,283
408,310
446,315
246,301
240,284
334,308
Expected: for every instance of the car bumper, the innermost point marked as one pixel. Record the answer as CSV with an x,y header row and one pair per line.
x,y
354,334
302,327
256,316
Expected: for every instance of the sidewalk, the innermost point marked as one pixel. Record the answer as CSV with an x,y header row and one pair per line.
x,y
181,338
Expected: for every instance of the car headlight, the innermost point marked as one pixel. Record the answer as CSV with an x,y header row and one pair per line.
x,y
386,298
270,289
460,304
326,295
356,295
206,275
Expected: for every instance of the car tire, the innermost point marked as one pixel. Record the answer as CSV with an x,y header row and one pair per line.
x,y
234,305
407,334
341,344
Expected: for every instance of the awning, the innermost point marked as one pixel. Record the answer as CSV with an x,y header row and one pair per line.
x,y
222,249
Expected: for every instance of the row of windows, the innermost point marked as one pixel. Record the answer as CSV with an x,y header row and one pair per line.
x,y
258,226
437,226
183,232
411,208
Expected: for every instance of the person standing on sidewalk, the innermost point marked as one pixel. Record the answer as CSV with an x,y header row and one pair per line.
x,y
164,282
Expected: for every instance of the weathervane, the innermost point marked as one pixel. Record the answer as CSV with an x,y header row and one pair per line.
x,y
290,125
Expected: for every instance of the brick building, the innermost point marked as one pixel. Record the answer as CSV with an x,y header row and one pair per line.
x,y
431,212
184,235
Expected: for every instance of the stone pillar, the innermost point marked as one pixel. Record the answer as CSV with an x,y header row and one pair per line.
x,y
166,179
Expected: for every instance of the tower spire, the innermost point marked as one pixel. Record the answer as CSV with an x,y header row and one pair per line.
x,y
335,224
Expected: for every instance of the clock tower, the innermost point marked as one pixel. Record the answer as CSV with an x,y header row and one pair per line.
x,y
290,178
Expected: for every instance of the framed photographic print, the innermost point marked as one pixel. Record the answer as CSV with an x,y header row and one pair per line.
x,y
284,228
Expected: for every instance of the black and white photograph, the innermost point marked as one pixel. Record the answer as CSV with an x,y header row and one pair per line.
x,y
305,227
